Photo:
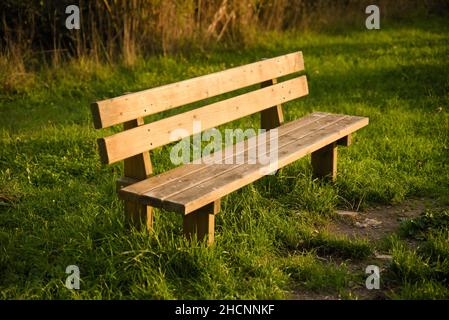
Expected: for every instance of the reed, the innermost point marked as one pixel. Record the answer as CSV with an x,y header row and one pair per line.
x,y
120,31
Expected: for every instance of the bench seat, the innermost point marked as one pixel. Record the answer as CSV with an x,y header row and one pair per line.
x,y
189,187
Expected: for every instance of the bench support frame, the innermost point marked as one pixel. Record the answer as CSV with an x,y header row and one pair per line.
x,y
272,117
324,160
201,223
138,168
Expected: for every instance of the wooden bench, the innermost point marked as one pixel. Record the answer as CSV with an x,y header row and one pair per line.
x,y
195,189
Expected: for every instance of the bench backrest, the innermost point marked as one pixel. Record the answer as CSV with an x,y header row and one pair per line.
x,y
138,137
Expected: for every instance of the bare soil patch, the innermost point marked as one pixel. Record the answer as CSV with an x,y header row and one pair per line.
x,y
378,222
373,224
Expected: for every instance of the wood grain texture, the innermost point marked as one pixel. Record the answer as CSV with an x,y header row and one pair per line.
x,y
196,196
212,172
190,171
109,112
200,189
147,137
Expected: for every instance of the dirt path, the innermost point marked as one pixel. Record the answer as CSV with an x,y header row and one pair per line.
x,y
374,224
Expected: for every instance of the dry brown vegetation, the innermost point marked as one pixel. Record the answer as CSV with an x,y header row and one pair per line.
x,y
115,30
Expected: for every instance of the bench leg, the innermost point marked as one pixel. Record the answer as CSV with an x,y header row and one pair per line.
x,y
324,162
201,222
138,168
139,215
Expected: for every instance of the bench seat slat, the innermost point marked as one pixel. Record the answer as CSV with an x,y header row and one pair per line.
x,y
191,186
285,136
240,176
182,172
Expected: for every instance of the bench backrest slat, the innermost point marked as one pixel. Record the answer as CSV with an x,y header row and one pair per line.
x,y
143,103
149,136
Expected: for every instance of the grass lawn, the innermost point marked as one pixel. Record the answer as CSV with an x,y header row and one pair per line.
x,y
58,205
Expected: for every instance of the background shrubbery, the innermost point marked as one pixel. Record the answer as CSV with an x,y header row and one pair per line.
x,y
115,29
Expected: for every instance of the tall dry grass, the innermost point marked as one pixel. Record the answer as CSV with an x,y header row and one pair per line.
x,y
33,32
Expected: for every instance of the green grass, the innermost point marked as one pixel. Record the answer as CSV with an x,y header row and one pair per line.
x,y
58,205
